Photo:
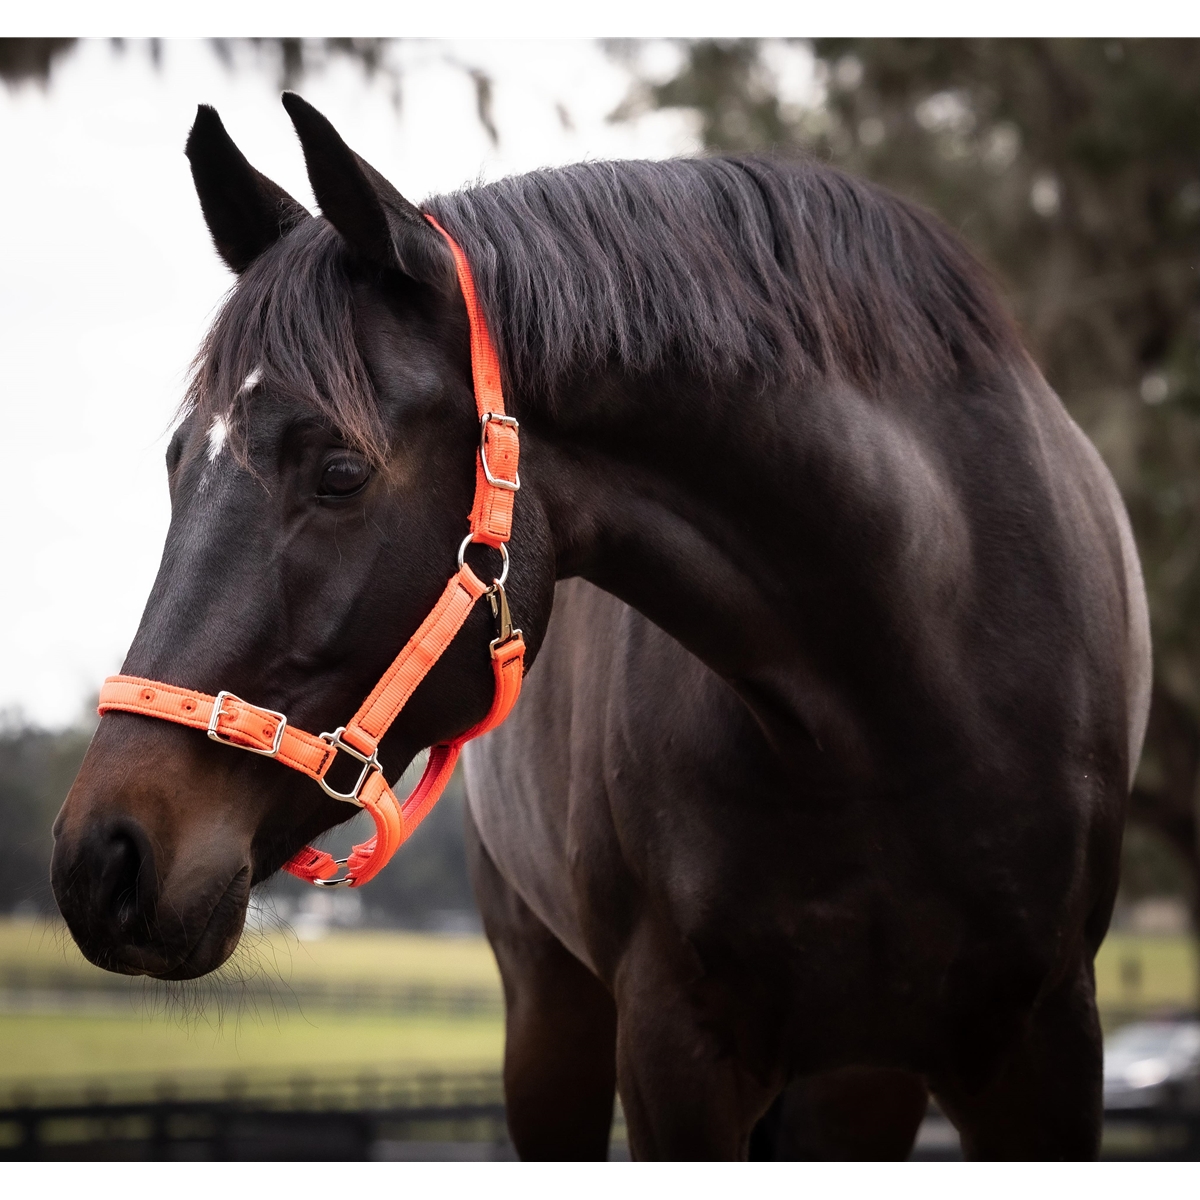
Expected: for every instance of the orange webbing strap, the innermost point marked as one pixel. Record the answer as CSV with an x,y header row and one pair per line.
x,y
508,666
252,728
377,712
240,724
370,857
491,514
395,822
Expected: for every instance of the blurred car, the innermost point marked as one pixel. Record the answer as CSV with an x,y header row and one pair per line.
x,y
1153,1067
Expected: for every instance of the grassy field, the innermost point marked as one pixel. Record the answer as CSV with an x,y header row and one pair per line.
x,y
1130,971
59,1045
1145,973
182,1031
44,949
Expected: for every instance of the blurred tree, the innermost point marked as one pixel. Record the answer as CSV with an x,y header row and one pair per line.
x,y
1073,169
290,59
24,59
30,58
36,771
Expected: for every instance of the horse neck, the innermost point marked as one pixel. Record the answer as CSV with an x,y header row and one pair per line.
x,y
739,522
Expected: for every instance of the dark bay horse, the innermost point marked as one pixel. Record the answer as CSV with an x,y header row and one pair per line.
x,y
817,787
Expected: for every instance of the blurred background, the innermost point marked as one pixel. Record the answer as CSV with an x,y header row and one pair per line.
x,y
372,1024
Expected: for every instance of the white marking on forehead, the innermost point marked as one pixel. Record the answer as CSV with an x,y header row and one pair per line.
x,y
218,431
251,381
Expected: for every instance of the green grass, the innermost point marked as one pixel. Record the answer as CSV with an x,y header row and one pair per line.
x,y
39,948
1165,972
47,1046
182,1029
1141,974
183,1032
374,956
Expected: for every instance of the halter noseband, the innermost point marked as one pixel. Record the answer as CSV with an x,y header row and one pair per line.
x,y
235,722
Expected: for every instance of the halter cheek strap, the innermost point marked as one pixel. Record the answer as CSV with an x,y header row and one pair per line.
x,y
236,722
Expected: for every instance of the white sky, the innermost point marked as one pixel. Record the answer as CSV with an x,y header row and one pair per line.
x,y
108,280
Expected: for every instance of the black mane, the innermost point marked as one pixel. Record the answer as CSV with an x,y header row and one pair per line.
x,y
730,267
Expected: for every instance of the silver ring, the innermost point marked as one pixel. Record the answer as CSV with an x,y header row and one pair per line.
x,y
462,556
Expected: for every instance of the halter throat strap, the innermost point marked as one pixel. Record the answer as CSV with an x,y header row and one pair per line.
x,y
236,722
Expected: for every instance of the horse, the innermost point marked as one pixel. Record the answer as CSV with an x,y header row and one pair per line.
x,y
838,652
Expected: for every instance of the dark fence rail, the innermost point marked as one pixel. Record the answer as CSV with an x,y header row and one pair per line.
x,y
357,1115
1162,1136
1129,1136
285,1116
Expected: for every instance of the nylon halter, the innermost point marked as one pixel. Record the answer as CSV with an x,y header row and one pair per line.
x,y
232,721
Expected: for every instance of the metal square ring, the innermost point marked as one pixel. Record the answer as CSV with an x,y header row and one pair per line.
x,y
370,763
495,480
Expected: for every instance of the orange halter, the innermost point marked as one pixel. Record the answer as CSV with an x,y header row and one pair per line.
x,y
235,722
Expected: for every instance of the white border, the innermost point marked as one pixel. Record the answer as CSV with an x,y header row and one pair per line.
x,y
597,1181
614,18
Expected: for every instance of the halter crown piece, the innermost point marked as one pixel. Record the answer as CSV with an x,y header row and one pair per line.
x,y
235,722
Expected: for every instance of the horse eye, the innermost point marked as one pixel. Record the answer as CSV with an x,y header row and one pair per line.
x,y
343,475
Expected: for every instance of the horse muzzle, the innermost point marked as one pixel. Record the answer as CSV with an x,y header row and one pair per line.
x,y
143,892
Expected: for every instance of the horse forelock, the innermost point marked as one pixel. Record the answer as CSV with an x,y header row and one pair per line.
x,y
287,329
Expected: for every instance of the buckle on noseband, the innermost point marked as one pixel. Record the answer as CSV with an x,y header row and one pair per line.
x,y
495,480
370,763
218,711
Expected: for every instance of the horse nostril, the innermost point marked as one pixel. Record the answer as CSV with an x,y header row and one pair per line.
x,y
121,877
106,884
125,877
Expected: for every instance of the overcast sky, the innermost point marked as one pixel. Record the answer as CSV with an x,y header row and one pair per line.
x,y
108,281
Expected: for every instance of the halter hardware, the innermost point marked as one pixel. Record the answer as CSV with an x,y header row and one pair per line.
x,y
370,763
462,558
497,599
495,480
340,880
218,712
235,722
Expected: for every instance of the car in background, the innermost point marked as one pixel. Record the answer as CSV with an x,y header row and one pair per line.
x,y
1152,1068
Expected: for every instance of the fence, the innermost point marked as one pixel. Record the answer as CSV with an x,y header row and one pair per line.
x,y
262,1116
348,1116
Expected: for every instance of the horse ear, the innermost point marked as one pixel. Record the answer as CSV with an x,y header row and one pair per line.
x,y
378,222
244,210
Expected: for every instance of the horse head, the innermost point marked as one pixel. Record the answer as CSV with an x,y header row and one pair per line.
x,y
320,480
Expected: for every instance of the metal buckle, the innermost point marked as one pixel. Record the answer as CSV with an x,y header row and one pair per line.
x,y
219,711
462,557
370,763
494,480
341,862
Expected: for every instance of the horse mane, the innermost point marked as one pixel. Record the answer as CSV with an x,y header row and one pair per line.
x,y
729,267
